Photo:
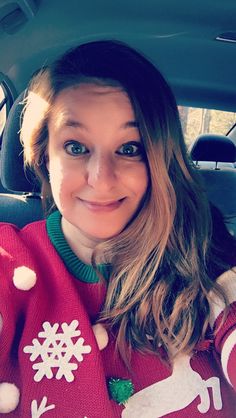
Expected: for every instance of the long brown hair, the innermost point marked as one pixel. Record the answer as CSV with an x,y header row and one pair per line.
x,y
158,290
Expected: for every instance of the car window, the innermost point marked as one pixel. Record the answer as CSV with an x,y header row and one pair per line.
x,y
197,121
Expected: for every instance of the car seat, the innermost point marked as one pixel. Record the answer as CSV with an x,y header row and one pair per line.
x,y
22,204
2,189
215,157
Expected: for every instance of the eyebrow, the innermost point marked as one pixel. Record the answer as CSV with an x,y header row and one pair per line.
x,y
73,123
130,124
77,124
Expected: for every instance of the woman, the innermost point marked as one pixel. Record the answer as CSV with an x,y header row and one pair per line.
x,y
122,302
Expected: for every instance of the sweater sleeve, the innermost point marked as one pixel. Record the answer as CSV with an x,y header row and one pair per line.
x,y
225,332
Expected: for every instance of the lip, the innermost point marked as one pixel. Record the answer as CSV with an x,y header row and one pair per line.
x,y
97,206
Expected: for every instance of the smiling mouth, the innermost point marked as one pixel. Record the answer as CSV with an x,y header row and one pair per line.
x,y
103,206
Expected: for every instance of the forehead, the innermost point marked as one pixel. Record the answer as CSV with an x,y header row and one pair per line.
x,y
84,93
88,102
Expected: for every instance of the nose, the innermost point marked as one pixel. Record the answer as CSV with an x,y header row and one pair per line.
x,y
101,172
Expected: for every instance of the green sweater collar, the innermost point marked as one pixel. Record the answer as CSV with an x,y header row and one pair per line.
x,y
74,265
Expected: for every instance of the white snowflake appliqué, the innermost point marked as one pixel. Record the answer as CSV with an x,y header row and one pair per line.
x,y
38,411
56,351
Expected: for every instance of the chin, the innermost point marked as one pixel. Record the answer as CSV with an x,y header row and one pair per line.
x,y
101,235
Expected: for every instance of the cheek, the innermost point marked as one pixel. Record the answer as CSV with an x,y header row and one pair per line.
x,y
57,175
138,181
62,178
66,178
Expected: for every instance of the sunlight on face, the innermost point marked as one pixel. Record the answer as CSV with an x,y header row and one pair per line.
x,y
96,159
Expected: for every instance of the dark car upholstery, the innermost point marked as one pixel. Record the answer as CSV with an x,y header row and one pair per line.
x,y
215,156
22,204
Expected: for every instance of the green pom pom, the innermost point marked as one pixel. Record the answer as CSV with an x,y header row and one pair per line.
x,y
120,390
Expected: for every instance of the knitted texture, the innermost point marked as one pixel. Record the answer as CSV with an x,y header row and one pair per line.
x,y
79,270
50,357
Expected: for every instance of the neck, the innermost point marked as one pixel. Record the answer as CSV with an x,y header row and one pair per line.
x,y
82,245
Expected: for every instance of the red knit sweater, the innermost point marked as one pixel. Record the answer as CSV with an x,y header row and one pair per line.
x,y
49,352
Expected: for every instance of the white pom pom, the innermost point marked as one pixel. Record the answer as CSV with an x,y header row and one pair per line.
x,y
101,336
9,397
24,278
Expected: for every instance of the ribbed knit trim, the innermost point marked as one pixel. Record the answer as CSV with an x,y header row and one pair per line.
x,y
82,271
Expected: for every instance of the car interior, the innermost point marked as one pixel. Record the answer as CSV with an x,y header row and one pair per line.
x,y
192,43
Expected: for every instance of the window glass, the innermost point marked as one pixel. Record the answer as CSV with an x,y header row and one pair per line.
x,y
3,110
197,121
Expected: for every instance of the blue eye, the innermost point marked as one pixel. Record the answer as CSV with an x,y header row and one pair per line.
x,y
131,149
75,148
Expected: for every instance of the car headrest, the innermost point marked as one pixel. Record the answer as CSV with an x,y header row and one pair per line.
x,y
14,176
210,147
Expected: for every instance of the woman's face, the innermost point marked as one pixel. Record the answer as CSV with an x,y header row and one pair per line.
x,y
96,163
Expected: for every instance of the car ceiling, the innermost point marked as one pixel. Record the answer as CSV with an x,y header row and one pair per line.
x,y
178,36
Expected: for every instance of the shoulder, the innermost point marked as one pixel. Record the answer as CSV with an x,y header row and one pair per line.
x,y
6,228
9,228
227,282
226,277
12,232
14,240
10,241
17,246
20,259
223,322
